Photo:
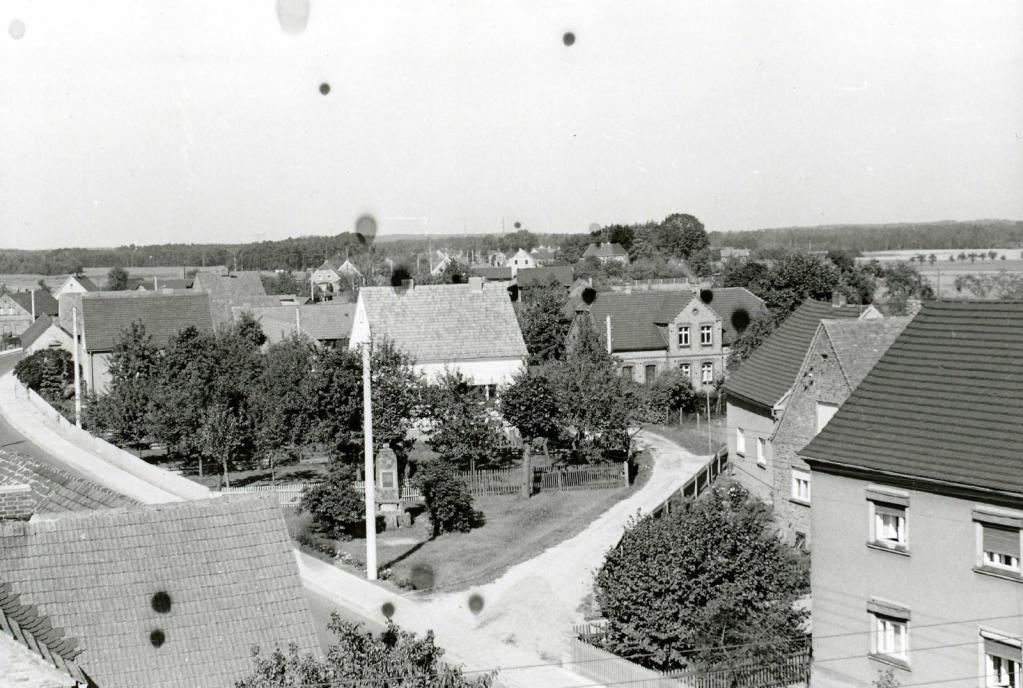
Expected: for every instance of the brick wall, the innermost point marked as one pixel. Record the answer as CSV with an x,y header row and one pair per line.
x,y
820,380
16,502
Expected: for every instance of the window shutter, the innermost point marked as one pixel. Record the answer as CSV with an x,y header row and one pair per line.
x,y
890,510
1003,650
1001,540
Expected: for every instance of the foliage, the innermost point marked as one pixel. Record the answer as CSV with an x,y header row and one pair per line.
x,y
337,508
681,235
45,369
542,322
224,435
798,277
751,275
447,498
530,404
886,679
596,405
249,328
760,328
710,586
904,282
284,282
465,429
117,279
122,413
283,409
616,234
396,658
1003,285
134,355
670,393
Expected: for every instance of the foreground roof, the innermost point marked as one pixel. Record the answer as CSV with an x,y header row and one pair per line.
x,y
34,653
944,402
168,595
105,315
766,376
444,323
55,491
321,321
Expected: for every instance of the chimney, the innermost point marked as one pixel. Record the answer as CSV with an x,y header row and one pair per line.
x,y
16,502
33,305
837,300
476,284
913,307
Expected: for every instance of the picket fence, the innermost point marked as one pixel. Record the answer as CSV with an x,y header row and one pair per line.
x,y
596,663
696,485
484,483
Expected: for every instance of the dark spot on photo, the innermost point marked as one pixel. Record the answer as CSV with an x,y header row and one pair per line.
x,y
388,609
513,292
366,229
400,276
324,88
589,295
475,603
17,29
161,602
518,225
157,638
706,295
568,39
422,576
740,320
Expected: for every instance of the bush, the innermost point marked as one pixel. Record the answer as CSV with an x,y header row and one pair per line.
x,y
337,508
46,369
670,392
447,499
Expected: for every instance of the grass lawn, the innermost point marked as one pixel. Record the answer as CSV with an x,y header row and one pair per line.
x,y
515,530
693,439
294,473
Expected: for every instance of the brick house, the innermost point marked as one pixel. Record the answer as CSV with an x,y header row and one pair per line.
x,y
164,596
652,331
758,389
469,328
840,355
918,508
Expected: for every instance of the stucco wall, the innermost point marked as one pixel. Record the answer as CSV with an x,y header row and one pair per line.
x,y
52,335
758,479
482,372
936,582
820,380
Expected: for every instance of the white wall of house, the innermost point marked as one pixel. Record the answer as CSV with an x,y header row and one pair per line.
x,y
52,336
521,259
482,372
70,286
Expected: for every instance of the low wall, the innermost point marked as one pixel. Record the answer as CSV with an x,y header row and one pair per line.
x,y
606,668
176,485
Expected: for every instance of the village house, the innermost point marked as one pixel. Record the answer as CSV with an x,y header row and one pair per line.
x,y
103,316
652,331
840,355
728,253
19,309
493,274
607,252
75,284
495,259
544,255
757,391
334,275
46,333
466,328
327,324
917,508
239,289
519,260
439,262
164,596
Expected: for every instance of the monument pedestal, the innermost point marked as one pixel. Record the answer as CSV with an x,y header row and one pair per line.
x,y
388,491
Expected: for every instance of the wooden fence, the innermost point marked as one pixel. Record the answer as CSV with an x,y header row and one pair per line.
x,y
596,663
696,485
485,483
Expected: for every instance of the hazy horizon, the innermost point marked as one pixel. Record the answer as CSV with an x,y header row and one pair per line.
x,y
145,123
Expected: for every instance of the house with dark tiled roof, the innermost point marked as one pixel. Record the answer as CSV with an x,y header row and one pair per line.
x,y
493,274
562,275
519,260
46,333
757,391
652,331
544,255
168,595
44,489
156,283
840,355
103,316
235,289
328,324
469,328
19,309
33,653
917,508
75,284
334,275
607,252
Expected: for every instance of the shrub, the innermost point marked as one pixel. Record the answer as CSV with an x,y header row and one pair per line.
x,y
337,508
670,392
447,499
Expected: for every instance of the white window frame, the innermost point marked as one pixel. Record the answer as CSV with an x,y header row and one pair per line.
x,y
879,523
996,670
740,442
687,370
683,333
821,405
799,479
707,330
887,640
993,559
707,373
762,452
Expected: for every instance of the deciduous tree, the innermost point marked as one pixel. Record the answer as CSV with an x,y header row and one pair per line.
x,y
117,279
530,404
447,498
465,429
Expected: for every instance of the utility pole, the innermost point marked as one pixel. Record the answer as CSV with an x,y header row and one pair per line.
x,y
609,333
710,440
78,380
370,474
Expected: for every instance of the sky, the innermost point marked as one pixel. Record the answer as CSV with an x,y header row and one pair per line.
x,y
203,120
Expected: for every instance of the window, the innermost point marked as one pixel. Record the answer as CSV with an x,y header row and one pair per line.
x,y
707,373
800,541
824,413
627,372
1000,545
891,637
687,370
761,452
740,442
650,373
889,525
706,335
1002,656
683,336
800,485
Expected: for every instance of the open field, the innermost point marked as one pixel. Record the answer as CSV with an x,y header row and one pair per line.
x,y
941,254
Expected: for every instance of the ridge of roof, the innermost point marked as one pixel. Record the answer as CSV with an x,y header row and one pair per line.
x,y
54,490
766,376
164,314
